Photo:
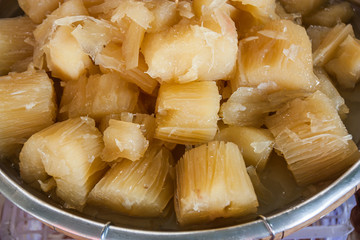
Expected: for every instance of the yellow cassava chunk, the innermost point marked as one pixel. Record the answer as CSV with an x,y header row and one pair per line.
x,y
345,65
326,86
44,31
189,51
123,140
111,59
98,96
15,34
312,138
38,9
27,105
278,57
255,144
64,56
185,116
69,152
328,46
264,10
209,179
141,188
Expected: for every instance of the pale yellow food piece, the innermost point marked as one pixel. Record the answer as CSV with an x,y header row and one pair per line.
x,y
312,138
98,96
255,144
206,7
37,10
191,51
278,57
248,106
209,179
69,152
134,10
46,29
123,140
94,34
263,10
102,8
184,116
304,6
246,24
330,16
64,56
15,38
132,17
142,188
185,9
345,65
316,35
131,45
166,14
111,59
330,43
245,107
327,87
27,105
145,121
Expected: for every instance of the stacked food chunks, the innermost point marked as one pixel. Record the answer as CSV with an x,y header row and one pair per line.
x,y
127,104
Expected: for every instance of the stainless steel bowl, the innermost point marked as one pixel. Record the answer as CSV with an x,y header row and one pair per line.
x,y
273,226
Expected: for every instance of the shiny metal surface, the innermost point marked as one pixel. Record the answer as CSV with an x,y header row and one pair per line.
x,y
82,226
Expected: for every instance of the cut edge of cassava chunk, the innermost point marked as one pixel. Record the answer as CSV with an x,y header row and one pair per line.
x,y
209,179
123,140
146,122
27,105
331,42
69,152
312,138
142,188
111,59
184,116
98,96
330,15
166,14
255,144
277,57
131,45
37,10
248,106
345,66
316,35
206,7
64,56
15,42
190,51
46,29
264,10
92,34
327,87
